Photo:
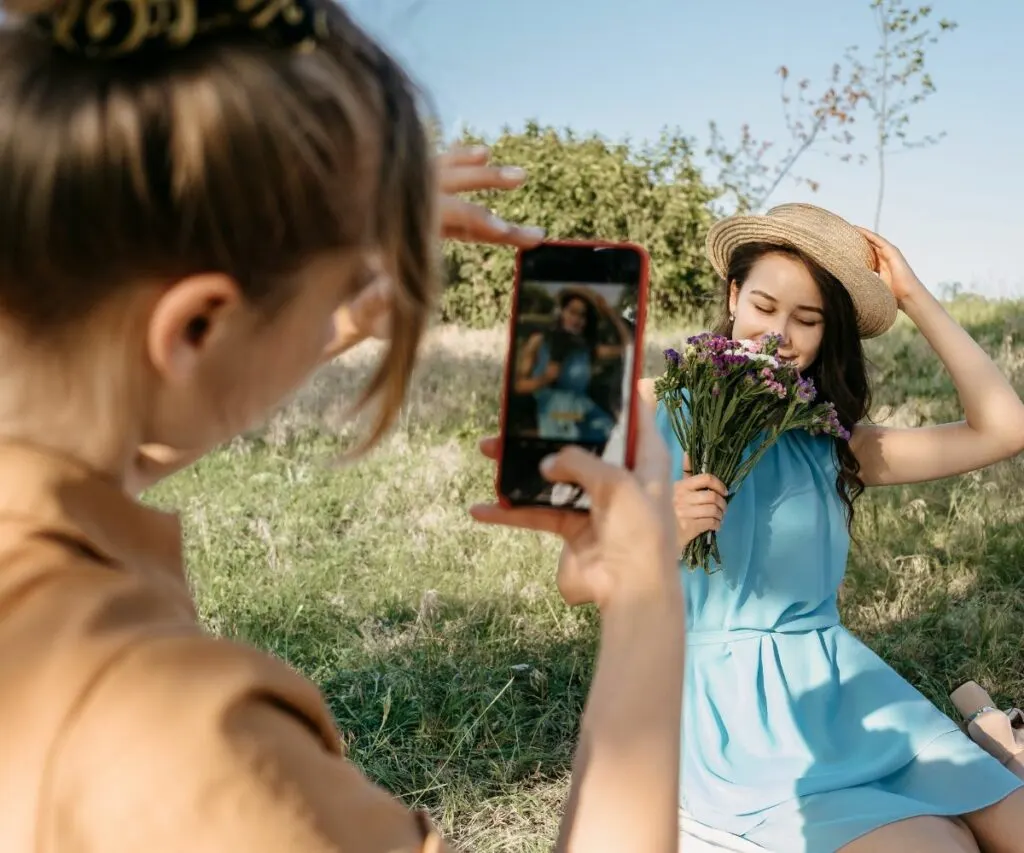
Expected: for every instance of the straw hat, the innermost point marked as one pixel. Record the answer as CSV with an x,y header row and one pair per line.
x,y
826,238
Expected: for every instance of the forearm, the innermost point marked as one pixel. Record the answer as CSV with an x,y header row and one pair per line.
x,y
990,404
527,385
625,793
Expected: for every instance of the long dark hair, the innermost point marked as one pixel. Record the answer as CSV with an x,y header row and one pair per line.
x,y
840,370
589,336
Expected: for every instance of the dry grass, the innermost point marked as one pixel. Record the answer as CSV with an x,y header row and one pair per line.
x,y
454,670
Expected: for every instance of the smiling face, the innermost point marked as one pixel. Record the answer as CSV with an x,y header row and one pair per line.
x,y
574,316
780,296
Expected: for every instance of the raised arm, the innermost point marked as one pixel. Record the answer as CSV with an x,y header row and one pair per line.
x,y
524,382
610,351
993,426
621,557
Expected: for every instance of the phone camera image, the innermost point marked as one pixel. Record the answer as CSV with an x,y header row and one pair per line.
x,y
570,378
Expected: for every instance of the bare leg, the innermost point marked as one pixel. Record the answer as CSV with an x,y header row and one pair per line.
x,y
1000,828
931,834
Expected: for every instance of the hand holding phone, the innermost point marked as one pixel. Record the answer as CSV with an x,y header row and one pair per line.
x,y
575,351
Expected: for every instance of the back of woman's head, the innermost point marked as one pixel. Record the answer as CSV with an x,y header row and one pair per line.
x,y
151,140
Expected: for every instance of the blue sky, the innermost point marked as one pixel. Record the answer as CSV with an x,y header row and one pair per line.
x,y
632,67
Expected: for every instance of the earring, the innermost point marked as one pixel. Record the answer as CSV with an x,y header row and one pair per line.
x,y
732,318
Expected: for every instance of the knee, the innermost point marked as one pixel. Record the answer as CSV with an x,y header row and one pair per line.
x,y
932,834
964,839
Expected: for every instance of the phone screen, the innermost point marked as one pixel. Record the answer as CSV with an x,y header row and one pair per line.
x,y
575,332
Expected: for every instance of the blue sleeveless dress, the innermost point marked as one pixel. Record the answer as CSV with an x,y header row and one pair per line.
x,y
796,736
565,410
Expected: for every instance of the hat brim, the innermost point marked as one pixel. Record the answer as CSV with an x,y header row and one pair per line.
x,y
873,301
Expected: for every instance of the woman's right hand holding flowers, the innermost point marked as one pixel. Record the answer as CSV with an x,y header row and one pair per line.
x,y
699,503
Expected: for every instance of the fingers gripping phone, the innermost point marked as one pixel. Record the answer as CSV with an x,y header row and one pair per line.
x,y
574,358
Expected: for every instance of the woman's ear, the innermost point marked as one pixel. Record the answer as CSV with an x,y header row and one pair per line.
x,y
734,298
186,318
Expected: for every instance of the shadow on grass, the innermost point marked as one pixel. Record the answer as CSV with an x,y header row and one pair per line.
x,y
461,697
934,584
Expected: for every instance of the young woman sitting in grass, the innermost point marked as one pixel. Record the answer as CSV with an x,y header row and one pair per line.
x,y
796,737
194,201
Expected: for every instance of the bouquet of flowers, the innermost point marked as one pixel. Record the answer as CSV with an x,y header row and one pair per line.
x,y
739,396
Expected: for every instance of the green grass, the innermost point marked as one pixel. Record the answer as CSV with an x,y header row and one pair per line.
x,y
456,674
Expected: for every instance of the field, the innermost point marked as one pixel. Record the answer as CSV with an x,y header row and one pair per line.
x,y
455,672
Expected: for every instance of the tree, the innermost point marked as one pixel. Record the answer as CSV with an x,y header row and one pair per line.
x,y
890,85
585,187
895,80
749,175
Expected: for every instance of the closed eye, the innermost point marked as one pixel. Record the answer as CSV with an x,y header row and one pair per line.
x,y
769,310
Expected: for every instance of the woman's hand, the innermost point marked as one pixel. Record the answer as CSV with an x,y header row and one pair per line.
x,y
626,546
699,503
459,170
893,268
462,170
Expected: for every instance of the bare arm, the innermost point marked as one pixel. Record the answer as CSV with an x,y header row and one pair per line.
x,y
625,793
524,383
606,352
993,425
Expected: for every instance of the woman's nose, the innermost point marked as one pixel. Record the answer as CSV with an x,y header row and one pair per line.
x,y
780,327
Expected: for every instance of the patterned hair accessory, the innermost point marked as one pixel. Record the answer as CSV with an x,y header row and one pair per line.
x,y
111,29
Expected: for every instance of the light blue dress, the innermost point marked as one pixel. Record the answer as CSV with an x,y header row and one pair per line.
x,y
796,736
565,410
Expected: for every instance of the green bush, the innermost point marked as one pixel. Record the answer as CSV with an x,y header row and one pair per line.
x,y
586,188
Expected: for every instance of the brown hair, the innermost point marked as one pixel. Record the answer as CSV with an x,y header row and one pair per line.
x,y
840,370
231,154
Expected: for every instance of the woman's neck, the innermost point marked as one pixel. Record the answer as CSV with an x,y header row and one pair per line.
x,y
78,410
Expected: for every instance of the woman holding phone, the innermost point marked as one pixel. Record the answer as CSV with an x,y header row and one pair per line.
x,y
192,211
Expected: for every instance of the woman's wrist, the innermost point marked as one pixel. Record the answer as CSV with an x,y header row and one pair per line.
x,y
655,591
917,297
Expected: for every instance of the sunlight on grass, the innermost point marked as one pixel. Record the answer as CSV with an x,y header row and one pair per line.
x,y
456,674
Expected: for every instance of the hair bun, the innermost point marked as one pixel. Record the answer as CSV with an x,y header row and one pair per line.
x,y
109,29
31,8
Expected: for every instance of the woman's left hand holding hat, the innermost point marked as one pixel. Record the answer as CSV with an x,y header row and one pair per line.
x,y
893,268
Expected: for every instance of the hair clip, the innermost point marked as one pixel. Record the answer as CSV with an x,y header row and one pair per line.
x,y
110,29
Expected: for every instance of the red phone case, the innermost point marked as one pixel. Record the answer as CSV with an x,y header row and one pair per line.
x,y
638,347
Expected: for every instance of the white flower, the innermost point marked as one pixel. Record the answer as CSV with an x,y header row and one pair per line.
x,y
761,358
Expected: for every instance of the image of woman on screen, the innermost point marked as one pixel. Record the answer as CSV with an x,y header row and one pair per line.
x,y
557,367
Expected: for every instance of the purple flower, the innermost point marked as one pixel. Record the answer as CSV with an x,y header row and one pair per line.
x,y
709,342
672,356
805,390
769,344
828,422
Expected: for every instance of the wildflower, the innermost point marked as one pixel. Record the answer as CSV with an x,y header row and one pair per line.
x,y
724,397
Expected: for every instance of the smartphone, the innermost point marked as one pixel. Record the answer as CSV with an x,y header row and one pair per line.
x,y
574,357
